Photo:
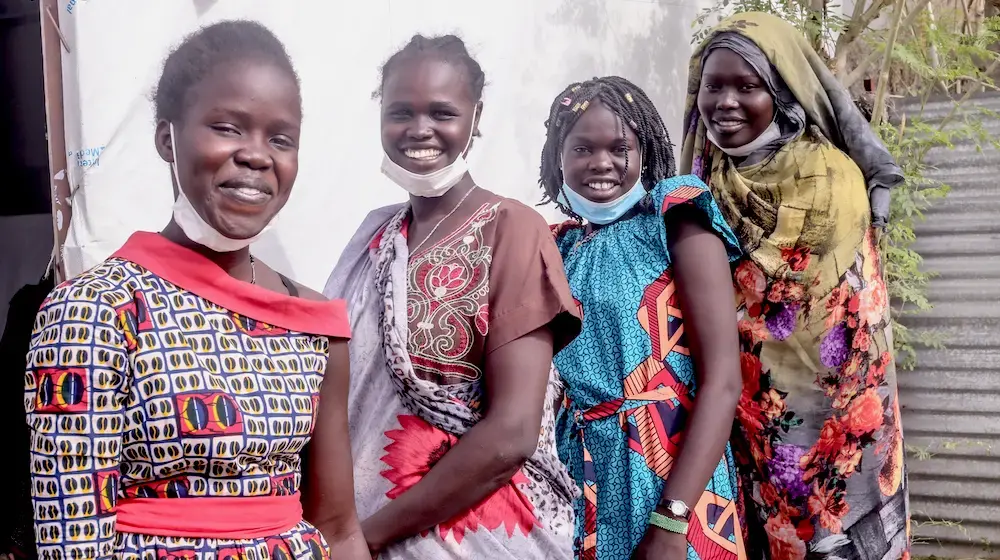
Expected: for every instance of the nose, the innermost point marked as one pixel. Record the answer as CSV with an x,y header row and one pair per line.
x,y
421,129
601,162
727,100
254,154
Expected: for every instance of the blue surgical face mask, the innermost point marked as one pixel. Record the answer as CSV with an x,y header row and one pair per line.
x,y
602,213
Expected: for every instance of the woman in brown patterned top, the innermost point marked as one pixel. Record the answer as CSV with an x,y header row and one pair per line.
x,y
462,299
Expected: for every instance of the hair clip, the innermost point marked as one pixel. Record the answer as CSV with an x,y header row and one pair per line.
x,y
567,101
628,97
574,89
585,105
576,107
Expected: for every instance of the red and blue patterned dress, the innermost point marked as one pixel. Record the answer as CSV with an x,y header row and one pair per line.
x,y
157,377
630,383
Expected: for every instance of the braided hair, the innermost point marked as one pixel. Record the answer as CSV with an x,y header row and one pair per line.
x,y
446,48
632,106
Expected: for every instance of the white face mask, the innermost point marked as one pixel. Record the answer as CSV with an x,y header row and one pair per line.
x,y
435,183
770,134
194,226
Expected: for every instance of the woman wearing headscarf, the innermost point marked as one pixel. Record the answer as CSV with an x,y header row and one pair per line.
x,y
804,183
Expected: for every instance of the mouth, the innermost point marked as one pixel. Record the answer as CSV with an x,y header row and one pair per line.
x,y
423,155
602,190
729,125
251,193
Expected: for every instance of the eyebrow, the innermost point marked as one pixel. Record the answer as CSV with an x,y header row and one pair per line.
x,y
241,114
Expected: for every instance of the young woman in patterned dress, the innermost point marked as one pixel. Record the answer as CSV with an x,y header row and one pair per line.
x,y
171,388
653,380
802,179
463,301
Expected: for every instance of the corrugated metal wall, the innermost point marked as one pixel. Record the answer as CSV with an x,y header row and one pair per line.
x,y
951,414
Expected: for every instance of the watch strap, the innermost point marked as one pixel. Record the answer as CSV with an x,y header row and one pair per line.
x,y
657,519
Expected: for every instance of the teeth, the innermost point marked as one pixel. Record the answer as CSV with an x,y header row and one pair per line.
x,y
248,191
422,154
602,186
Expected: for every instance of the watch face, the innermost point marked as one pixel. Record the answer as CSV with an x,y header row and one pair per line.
x,y
678,509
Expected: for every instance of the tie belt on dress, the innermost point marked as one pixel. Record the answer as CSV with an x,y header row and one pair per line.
x,y
209,518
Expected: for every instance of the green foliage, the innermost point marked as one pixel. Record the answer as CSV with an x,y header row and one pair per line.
x,y
930,56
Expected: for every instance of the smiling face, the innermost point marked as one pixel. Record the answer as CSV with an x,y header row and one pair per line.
x,y
237,146
428,114
734,101
594,155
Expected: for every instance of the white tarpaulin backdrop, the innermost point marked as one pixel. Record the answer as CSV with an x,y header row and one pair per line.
x,y
529,49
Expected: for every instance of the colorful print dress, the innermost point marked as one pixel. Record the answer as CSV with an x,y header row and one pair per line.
x,y
157,376
820,443
630,383
491,275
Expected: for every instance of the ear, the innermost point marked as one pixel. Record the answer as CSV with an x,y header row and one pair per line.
x,y
475,126
162,140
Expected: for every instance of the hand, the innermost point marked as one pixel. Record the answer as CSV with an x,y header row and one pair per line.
x,y
660,544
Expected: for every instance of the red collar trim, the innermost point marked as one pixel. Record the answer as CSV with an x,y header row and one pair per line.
x,y
198,274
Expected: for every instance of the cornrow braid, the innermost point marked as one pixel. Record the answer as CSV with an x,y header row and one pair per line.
x,y
633,108
447,48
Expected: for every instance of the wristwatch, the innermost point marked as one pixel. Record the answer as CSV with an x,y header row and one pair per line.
x,y
678,509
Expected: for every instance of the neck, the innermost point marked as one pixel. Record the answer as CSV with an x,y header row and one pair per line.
x,y
427,210
236,263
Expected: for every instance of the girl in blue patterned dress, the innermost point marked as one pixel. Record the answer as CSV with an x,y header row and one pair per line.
x,y
653,380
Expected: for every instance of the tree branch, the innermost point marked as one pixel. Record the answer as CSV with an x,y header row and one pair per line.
x,y
882,90
870,58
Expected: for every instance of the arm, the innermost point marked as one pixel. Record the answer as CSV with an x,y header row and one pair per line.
x,y
75,413
704,280
329,501
705,289
488,455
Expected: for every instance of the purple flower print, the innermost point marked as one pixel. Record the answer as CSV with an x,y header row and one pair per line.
x,y
833,351
782,323
786,474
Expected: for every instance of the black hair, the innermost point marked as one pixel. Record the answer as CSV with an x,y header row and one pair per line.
x,y
633,108
204,50
446,48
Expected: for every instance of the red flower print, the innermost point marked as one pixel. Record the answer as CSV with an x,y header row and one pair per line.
x,y
777,293
753,330
862,340
417,446
854,304
749,413
849,459
445,279
831,439
797,258
829,506
846,393
865,415
772,405
752,368
784,540
874,300
750,279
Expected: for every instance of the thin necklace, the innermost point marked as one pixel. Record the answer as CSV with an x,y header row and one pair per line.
x,y
441,221
253,271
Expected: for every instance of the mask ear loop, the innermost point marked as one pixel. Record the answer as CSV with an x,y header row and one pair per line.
x,y
472,132
173,164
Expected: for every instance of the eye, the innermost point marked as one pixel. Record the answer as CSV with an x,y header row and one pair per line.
x,y
712,88
621,149
400,115
443,115
747,88
283,141
581,150
226,128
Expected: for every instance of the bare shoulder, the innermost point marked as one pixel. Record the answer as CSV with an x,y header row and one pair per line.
x,y
308,293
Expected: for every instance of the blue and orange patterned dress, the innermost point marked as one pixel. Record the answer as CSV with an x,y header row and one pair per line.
x,y
157,376
630,383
